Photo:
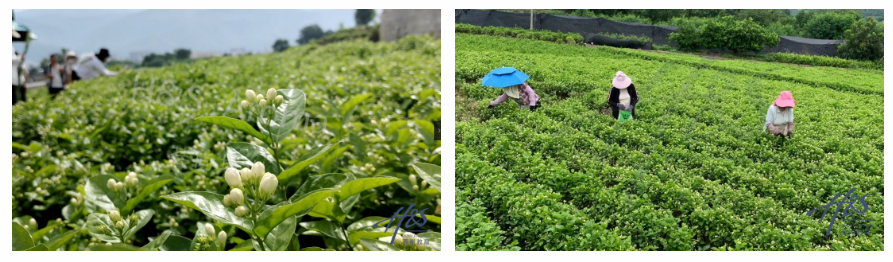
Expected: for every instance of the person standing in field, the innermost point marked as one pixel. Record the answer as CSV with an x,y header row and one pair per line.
x,y
54,76
92,66
780,117
623,95
18,81
71,59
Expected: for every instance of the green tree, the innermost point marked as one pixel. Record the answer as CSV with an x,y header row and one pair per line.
x,y
182,54
660,15
686,37
310,32
764,17
738,36
364,16
864,41
280,45
830,25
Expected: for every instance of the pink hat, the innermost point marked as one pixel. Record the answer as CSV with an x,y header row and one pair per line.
x,y
785,99
621,81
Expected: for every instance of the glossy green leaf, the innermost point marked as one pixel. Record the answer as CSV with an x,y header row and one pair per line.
x,y
303,162
378,245
426,129
430,173
195,244
236,124
113,247
326,228
158,242
99,198
285,117
39,247
365,228
356,186
359,146
316,182
243,155
210,204
353,102
280,237
244,246
176,243
144,217
60,240
295,244
268,220
430,218
101,227
145,191
21,239
37,235
328,208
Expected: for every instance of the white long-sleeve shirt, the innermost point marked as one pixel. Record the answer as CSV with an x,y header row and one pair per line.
x,y
16,61
775,117
90,67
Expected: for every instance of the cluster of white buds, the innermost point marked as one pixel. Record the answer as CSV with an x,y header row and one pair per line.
x,y
413,179
263,100
131,180
369,168
114,185
77,201
255,181
411,242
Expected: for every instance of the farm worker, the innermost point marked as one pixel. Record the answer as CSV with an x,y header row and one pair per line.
x,y
780,117
514,85
71,59
522,94
54,75
92,66
623,95
16,80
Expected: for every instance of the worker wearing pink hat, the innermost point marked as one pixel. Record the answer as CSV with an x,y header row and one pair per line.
x,y
623,95
780,117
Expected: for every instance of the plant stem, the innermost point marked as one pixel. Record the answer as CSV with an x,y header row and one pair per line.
x,y
341,226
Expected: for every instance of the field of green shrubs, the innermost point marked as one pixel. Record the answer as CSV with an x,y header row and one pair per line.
x,y
186,157
693,172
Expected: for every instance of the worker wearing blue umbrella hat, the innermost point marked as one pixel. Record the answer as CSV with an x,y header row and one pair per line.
x,y
513,84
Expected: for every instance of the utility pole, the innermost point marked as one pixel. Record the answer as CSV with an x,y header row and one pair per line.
x,y
531,19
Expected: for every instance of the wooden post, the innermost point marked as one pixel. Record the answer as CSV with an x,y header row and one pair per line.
x,y
531,19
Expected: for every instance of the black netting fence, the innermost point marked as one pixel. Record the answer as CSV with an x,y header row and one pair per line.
x,y
590,27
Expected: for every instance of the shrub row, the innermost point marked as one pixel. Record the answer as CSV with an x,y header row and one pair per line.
x,y
542,35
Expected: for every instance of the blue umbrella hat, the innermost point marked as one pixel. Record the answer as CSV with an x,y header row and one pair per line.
x,y
504,77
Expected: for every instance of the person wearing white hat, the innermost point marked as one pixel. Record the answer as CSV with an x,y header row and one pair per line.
x,y
623,95
71,59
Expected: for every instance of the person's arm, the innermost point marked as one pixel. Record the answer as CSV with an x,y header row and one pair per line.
x,y
100,67
532,95
500,99
769,118
633,95
613,96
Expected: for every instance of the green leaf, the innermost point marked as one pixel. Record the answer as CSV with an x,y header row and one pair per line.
x,y
280,237
244,246
313,249
356,186
144,217
236,124
286,116
306,160
316,182
95,224
353,102
113,247
268,220
43,231
40,247
378,245
433,238
294,245
364,228
21,239
359,146
200,232
60,240
148,189
176,243
430,173
99,198
328,208
158,242
426,128
430,218
326,228
242,155
210,204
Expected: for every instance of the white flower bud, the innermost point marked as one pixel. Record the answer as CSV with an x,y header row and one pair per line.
x,y
257,171
415,187
271,94
424,183
279,99
112,184
250,95
413,179
221,238
32,223
244,104
398,240
115,215
268,184
74,202
245,174
119,225
236,197
227,201
420,244
263,103
258,98
209,230
232,177
241,211
119,186
132,180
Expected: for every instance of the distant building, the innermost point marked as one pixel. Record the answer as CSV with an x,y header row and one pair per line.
x,y
397,23
203,54
137,57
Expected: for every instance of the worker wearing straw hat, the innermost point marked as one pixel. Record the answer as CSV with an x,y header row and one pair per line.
x,y
780,117
623,95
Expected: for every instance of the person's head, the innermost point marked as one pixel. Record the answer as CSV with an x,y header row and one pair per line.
x,y
103,55
71,56
53,59
513,91
784,101
621,81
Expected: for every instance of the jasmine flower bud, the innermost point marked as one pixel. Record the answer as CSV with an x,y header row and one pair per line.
x,y
268,184
263,103
209,229
271,94
258,98
241,211
245,174
115,215
279,99
413,179
244,104
132,180
74,202
119,225
112,184
221,239
232,178
257,171
250,95
32,223
119,186
227,201
236,197
398,241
